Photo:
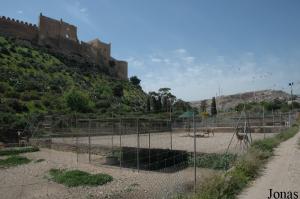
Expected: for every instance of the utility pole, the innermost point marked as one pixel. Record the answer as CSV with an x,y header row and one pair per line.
x,y
291,85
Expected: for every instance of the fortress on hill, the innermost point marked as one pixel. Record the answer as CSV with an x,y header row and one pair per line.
x,y
60,37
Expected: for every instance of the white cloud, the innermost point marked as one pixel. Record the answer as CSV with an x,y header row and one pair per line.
x,y
79,12
180,51
156,60
134,62
192,79
20,12
188,59
83,10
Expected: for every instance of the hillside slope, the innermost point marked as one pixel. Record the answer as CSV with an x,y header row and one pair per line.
x,y
231,101
33,81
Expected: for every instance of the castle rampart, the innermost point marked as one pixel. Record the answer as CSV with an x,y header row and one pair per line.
x,y
61,37
18,29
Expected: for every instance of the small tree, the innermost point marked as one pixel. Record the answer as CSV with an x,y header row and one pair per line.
x,y
148,105
78,101
203,106
213,109
135,81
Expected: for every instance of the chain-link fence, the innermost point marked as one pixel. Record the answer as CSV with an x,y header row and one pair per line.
x,y
147,158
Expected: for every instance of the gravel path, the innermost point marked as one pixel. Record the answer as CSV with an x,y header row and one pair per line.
x,y
282,173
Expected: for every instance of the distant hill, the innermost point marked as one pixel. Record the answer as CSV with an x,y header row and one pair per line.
x,y
227,102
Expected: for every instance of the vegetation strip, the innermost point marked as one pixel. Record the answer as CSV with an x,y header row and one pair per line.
x,y
13,161
17,150
246,168
75,178
214,161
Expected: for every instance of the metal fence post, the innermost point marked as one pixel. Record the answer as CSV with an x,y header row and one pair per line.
x,y
120,129
89,141
171,134
89,149
195,170
77,148
112,136
149,144
263,121
138,146
273,118
289,119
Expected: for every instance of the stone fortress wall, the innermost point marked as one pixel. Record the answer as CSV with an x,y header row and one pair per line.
x,y
61,37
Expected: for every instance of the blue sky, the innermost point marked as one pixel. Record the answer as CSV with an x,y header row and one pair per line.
x,y
194,47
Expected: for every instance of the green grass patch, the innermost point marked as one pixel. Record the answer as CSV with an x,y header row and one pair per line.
x,y
246,168
268,145
75,178
214,161
13,161
17,150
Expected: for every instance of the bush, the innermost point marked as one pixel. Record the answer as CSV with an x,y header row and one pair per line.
x,y
30,95
17,105
14,161
4,87
4,50
78,101
118,90
17,150
78,178
135,81
12,94
214,161
103,91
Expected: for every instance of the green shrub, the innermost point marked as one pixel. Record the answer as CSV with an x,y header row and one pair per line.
x,y
30,95
118,90
17,150
246,168
13,161
4,87
266,144
78,178
12,94
78,101
4,50
17,105
214,161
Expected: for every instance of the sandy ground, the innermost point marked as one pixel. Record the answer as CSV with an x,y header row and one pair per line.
x,y
32,180
180,141
282,173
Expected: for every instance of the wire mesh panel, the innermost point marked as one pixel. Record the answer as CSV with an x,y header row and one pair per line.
x,y
146,157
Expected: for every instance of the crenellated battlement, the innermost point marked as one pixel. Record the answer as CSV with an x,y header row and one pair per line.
x,y
12,20
61,37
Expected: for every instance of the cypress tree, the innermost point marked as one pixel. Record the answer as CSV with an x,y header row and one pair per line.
x,y
213,109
